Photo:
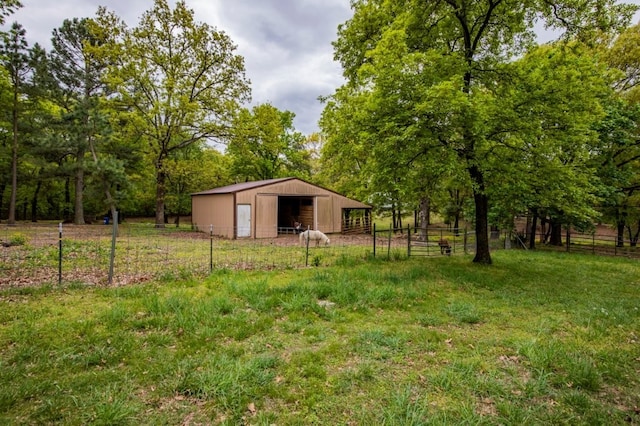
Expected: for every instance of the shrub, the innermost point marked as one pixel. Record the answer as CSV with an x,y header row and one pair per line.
x,y
17,239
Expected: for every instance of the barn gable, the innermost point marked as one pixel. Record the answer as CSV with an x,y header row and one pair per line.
x,y
267,208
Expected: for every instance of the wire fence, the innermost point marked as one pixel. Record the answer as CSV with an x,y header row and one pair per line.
x,y
37,254
602,244
52,253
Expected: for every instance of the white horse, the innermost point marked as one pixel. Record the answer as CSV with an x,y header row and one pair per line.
x,y
316,236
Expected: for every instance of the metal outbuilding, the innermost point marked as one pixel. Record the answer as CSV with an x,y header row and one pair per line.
x,y
266,208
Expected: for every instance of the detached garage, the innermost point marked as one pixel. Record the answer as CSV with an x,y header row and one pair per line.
x,y
267,208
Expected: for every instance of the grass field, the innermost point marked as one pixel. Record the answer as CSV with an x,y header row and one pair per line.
x,y
537,338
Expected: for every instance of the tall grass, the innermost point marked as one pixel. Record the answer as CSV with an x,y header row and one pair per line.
x,y
537,338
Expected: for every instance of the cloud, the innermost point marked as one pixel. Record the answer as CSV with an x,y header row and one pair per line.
x,y
286,44
288,52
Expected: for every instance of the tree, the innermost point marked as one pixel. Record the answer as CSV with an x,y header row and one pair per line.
x,y
624,55
399,165
618,154
463,47
15,58
7,7
79,87
178,82
554,100
265,145
344,153
192,170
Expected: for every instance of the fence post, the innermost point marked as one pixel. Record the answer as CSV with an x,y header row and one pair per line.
x,y
465,240
114,234
426,237
389,245
408,241
568,238
453,249
593,243
60,253
306,260
374,240
210,248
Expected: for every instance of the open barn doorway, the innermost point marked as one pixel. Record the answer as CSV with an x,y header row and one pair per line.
x,y
292,211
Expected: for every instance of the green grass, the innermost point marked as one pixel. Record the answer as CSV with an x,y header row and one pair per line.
x,y
537,338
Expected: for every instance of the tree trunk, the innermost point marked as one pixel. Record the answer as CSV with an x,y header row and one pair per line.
x,y
423,217
14,161
620,234
66,214
532,232
78,209
393,216
556,233
161,179
483,255
633,238
545,230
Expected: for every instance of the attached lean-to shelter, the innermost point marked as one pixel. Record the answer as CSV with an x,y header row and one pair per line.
x,y
267,208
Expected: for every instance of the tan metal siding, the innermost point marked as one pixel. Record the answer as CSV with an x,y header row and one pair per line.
x,y
217,210
324,214
247,197
266,216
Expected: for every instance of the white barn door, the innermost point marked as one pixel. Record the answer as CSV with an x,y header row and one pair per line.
x,y
244,220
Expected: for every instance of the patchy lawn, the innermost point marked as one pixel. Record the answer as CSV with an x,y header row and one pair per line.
x,y
537,338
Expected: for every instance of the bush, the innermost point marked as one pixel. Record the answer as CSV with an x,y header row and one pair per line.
x,y
16,239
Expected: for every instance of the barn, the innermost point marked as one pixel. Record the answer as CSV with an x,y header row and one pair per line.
x,y
268,208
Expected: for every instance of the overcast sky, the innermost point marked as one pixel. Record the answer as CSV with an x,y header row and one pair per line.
x,y
286,44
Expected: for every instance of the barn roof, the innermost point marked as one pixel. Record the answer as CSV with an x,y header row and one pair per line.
x,y
239,187
244,186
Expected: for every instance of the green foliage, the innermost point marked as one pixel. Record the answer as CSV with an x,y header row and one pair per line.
x,y
624,55
173,67
193,169
7,7
17,239
434,92
265,145
548,165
